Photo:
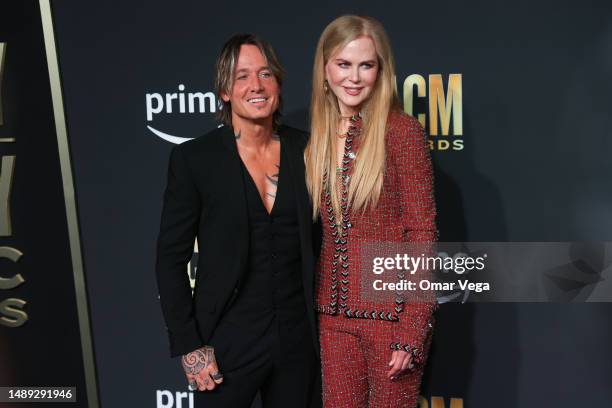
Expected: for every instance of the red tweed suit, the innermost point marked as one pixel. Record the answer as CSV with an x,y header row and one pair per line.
x,y
357,335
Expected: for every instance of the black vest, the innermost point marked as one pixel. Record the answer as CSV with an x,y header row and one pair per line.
x,y
269,316
271,298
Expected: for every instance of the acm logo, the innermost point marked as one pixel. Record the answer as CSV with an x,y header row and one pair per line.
x,y
443,107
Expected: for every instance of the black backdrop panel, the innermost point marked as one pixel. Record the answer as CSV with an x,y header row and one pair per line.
x,y
39,329
534,167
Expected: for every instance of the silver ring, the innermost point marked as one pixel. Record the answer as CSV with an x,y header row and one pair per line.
x,y
217,376
192,386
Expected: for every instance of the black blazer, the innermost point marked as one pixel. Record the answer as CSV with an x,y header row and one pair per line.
x,y
205,197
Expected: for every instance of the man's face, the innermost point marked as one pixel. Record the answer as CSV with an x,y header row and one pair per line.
x,y
255,93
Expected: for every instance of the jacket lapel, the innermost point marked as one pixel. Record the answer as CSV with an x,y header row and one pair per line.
x,y
237,214
294,157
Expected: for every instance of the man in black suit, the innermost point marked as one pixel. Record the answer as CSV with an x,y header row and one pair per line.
x,y
239,189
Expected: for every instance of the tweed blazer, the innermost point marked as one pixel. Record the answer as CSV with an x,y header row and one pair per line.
x,y
405,212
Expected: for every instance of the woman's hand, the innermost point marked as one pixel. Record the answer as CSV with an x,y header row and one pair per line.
x,y
201,369
400,361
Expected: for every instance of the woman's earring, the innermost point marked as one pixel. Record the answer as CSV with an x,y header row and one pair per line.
x,y
325,85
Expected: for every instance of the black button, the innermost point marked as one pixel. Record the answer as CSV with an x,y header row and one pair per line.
x,y
273,256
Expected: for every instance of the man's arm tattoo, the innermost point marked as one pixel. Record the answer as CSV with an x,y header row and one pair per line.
x,y
196,361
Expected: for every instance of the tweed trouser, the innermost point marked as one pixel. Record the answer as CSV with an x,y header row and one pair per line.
x,y
355,354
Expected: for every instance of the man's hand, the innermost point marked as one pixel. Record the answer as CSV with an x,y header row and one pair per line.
x,y
400,361
201,369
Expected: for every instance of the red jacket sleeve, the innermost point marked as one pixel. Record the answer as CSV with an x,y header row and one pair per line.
x,y
412,161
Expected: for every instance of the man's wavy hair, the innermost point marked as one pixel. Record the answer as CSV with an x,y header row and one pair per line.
x,y
226,64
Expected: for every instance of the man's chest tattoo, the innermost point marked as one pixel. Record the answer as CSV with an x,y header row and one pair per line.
x,y
272,180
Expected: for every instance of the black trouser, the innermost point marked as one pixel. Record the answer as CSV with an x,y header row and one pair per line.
x,y
284,368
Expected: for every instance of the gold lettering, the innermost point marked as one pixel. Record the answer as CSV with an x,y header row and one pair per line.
x,y
438,402
11,254
6,181
443,144
456,403
14,316
423,402
409,84
2,49
452,104
458,144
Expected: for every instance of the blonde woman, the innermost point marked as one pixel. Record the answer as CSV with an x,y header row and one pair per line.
x,y
369,174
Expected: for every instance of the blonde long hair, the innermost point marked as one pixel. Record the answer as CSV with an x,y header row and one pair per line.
x,y
320,155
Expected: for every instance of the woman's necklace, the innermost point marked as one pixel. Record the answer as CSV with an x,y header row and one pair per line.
x,y
351,118
342,135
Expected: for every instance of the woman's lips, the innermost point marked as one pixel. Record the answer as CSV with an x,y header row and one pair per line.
x,y
352,91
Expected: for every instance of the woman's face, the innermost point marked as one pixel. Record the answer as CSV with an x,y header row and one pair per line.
x,y
351,74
